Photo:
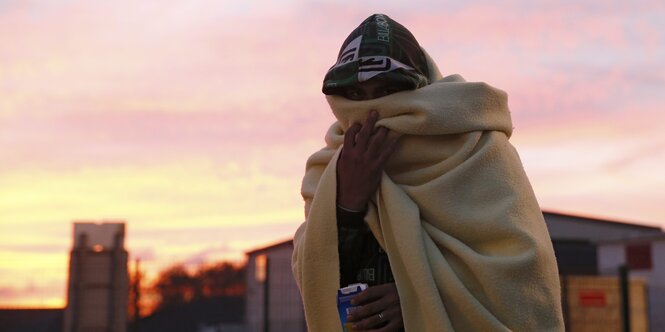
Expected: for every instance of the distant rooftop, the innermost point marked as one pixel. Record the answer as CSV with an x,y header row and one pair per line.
x,y
600,220
635,230
275,245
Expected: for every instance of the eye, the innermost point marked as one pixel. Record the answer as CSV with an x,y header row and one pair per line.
x,y
353,94
387,91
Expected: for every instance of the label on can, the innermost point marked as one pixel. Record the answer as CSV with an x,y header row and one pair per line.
x,y
344,296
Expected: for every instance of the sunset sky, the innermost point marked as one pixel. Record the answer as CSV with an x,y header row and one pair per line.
x,y
192,120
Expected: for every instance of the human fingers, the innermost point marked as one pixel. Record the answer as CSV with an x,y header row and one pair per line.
x,y
394,320
368,310
371,301
372,321
373,293
366,130
377,140
350,135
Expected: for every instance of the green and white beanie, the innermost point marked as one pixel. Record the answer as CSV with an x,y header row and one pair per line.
x,y
378,48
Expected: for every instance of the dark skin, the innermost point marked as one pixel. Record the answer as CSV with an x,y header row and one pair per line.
x,y
379,309
361,163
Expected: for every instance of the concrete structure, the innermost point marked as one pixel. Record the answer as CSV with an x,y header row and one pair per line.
x,y
273,299
98,280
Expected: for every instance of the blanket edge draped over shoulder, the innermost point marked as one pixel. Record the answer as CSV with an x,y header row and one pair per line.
x,y
465,236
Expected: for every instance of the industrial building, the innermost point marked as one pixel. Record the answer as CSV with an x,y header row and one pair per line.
x,y
589,253
98,284
273,300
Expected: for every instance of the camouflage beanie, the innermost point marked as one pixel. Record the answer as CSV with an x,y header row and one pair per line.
x,y
382,48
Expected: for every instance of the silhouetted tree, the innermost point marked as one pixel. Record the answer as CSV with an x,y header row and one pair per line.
x,y
222,279
135,305
176,285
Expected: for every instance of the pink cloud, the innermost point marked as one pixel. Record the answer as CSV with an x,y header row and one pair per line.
x,y
104,138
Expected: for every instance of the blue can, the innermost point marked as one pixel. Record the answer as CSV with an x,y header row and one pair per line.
x,y
344,296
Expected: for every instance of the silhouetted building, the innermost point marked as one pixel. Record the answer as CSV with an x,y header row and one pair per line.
x,y
31,320
273,299
98,280
579,241
213,314
589,252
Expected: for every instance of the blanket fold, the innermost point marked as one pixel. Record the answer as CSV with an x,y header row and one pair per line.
x,y
455,213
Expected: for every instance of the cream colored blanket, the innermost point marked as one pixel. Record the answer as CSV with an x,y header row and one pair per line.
x,y
455,212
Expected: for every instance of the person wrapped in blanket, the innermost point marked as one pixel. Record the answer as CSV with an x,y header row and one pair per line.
x,y
445,229
378,58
